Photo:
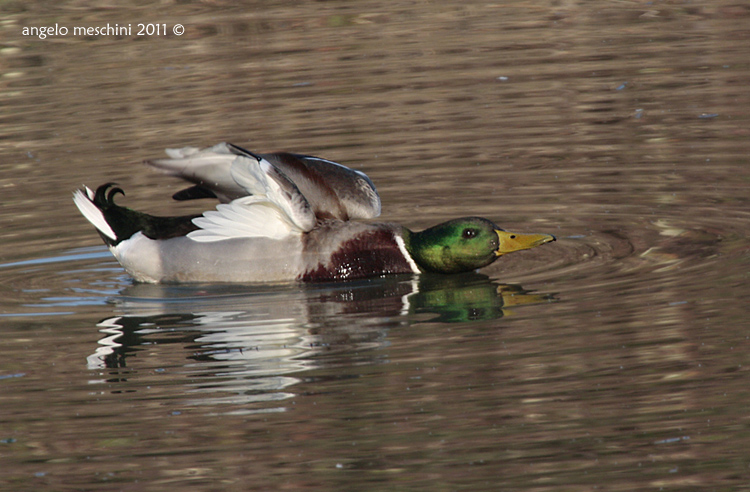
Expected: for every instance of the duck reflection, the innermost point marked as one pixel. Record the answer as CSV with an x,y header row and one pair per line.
x,y
247,341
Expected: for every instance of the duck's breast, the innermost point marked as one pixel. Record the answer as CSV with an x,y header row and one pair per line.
x,y
349,250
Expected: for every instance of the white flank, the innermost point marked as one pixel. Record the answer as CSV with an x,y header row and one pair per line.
x,y
85,204
402,247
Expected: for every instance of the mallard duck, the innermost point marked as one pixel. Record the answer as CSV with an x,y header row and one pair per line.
x,y
282,217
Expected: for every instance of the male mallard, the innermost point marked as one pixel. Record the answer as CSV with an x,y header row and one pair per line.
x,y
283,217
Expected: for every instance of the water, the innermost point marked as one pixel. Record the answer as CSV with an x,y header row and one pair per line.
x,y
613,359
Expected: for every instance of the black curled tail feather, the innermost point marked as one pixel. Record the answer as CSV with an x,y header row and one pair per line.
x,y
125,222
105,195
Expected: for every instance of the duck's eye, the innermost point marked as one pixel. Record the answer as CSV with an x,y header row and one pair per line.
x,y
469,233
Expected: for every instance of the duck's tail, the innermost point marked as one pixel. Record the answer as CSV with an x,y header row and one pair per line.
x,y
116,224
86,201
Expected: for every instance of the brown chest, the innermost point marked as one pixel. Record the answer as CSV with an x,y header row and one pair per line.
x,y
368,254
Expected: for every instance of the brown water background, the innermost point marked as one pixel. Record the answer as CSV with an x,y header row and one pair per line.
x,y
614,359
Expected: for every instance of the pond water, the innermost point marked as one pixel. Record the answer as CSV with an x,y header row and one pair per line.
x,y
613,359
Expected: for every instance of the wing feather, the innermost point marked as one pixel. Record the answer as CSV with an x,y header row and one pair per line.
x,y
209,168
268,195
262,179
243,218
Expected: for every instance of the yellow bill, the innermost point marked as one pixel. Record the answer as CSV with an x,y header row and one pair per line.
x,y
513,241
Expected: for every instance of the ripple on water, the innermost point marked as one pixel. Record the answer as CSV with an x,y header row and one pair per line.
x,y
622,246
71,279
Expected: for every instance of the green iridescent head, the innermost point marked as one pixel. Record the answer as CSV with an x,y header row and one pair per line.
x,y
465,244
